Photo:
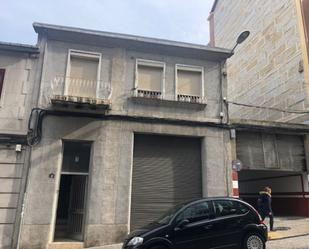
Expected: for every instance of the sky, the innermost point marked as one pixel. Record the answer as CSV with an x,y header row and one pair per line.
x,y
178,20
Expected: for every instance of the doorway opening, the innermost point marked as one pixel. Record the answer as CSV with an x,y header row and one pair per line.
x,y
72,192
288,190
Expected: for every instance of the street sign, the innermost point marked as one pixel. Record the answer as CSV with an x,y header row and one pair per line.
x,y
236,165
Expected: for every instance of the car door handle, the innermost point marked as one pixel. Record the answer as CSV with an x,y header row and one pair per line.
x,y
207,227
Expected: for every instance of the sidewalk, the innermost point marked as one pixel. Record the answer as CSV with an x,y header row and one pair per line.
x,y
289,227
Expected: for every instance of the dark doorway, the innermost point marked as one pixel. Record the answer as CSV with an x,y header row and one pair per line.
x,y
72,192
288,195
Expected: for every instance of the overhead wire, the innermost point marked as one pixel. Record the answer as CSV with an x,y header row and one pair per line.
x,y
269,108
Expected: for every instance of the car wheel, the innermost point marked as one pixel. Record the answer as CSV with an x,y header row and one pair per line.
x,y
253,241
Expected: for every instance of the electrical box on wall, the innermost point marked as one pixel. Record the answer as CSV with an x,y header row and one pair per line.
x,y
233,133
18,148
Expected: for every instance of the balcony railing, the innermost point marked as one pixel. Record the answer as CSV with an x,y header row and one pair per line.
x,y
191,99
168,99
80,91
147,94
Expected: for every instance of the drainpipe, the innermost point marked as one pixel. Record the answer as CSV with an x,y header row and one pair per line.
x,y
223,101
221,114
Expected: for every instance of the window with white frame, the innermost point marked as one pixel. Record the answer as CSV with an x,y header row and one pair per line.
x,y
149,78
83,74
189,83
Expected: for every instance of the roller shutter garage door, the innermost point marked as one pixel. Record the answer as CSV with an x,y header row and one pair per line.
x,y
166,172
11,173
258,150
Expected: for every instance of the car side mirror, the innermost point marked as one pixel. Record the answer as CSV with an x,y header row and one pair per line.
x,y
181,224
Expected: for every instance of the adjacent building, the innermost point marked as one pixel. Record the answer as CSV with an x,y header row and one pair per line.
x,y
17,72
268,81
271,68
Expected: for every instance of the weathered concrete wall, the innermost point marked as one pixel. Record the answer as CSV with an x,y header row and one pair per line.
x,y
16,95
107,218
118,69
265,69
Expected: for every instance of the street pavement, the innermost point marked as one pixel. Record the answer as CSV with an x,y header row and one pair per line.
x,y
300,242
290,233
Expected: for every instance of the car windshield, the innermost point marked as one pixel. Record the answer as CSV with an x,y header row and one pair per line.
x,y
166,218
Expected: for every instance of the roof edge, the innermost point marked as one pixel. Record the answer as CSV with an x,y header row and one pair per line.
x,y
43,27
17,47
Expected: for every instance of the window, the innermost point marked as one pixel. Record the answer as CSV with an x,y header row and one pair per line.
x,y
226,208
2,71
189,83
83,74
149,78
196,212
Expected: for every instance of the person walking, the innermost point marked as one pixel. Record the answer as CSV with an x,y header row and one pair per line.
x,y
264,206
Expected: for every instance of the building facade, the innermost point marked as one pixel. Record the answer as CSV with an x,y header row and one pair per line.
x,y
125,128
270,69
17,72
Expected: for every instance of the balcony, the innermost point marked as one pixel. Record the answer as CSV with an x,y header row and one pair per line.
x,y
67,92
156,98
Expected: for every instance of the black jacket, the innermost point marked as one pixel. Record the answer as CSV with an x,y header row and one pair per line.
x,y
264,203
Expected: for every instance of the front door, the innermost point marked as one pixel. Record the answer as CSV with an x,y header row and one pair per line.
x,y
72,192
77,207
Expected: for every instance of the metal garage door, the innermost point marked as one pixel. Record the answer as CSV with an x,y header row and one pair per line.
x,y
11,173
166,171
258,150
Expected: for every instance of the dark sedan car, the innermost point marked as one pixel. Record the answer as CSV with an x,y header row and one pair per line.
x,y
206,223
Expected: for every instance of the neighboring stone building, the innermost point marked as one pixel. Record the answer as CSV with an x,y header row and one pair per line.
x,y
268,80
17,66
130,127
271,68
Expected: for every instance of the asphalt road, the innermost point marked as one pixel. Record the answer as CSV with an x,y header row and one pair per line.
x,y
301,242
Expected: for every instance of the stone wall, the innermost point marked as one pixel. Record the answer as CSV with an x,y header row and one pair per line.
x,y
266,69
16,100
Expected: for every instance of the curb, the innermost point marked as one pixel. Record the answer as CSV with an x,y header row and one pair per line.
x,y
278,236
